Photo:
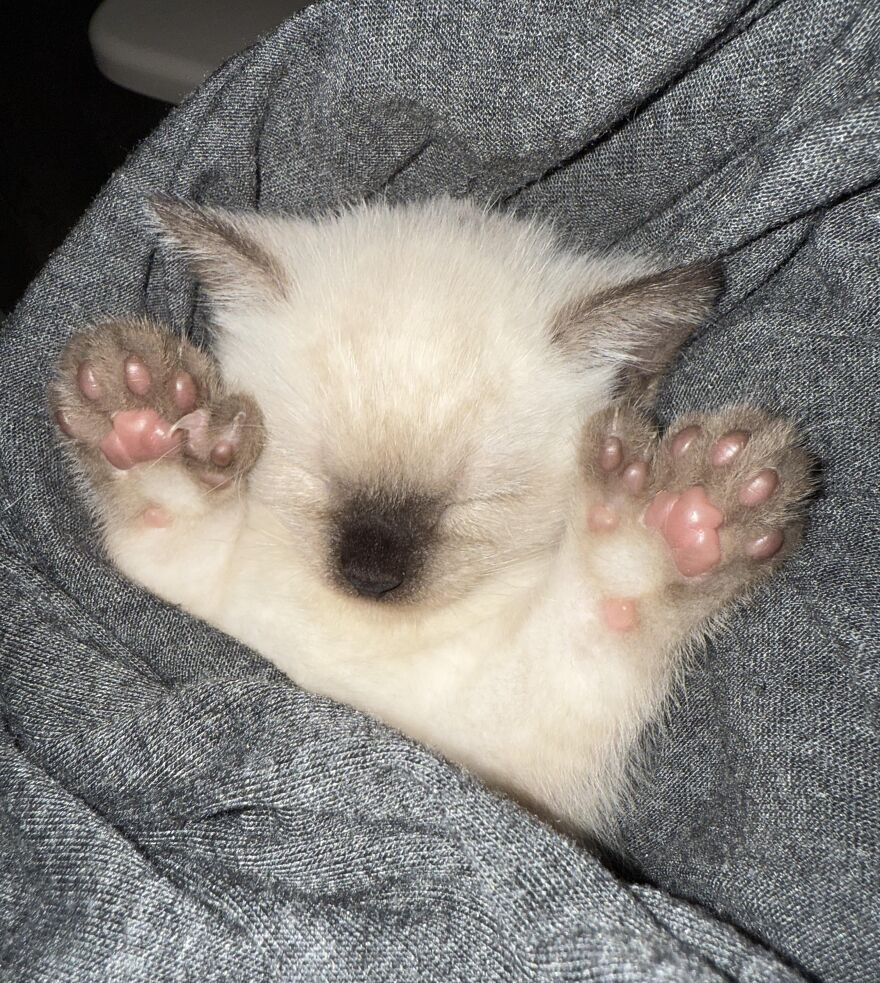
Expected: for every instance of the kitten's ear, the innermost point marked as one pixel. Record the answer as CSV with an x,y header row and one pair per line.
x,y
229,253
640,324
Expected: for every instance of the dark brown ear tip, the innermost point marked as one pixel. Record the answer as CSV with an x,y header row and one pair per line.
x,y
167,212
161,201
709,274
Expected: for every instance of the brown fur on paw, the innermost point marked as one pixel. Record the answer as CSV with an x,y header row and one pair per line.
x,y
129,393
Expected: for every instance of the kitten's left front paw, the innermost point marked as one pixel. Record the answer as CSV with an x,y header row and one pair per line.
x,y
725,491
728,491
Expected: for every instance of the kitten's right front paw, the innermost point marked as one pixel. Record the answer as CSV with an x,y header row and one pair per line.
x,y
129,393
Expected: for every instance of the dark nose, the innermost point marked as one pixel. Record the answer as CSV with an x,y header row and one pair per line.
x,y
374,556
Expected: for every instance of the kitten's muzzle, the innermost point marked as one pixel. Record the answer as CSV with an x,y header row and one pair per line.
x,y
380,551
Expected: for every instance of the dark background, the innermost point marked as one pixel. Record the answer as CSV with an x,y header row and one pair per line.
x,y
64,128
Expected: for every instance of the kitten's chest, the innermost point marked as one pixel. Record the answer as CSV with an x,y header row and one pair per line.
x,y
505,671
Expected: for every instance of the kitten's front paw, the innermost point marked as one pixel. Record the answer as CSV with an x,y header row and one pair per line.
x,y
729,491
129,393
724,490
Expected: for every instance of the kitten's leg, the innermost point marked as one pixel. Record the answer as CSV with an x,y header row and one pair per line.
x,y
669,530
678,526
163,447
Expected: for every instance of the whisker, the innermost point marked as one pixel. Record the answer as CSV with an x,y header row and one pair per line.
x,y
161,457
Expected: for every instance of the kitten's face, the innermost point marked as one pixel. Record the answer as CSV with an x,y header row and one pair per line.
x,y
424,374
401,489
422,432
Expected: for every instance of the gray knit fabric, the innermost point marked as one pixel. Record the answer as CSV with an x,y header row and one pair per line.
x,y
173,809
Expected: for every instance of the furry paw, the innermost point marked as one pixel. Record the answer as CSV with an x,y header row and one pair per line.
x,y
728,491
725,491
128,393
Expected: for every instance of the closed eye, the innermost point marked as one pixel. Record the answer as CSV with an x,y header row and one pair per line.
x,y
499,495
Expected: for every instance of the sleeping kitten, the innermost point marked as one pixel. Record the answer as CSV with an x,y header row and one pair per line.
x,y
415,473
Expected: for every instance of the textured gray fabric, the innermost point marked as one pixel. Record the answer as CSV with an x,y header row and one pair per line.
x,y
173,809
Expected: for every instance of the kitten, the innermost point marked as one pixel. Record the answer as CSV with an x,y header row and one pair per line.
x,y
416,474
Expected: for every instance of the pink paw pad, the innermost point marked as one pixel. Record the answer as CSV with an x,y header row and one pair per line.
x,y
215,481
138,436
684,440
137,376
156,517
620,614
611,455
727,448
758,489
88,382
602,519
689,523
765,546
635,477
185,392
223,452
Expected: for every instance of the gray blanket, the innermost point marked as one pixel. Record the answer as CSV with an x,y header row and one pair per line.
x,y
173,809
